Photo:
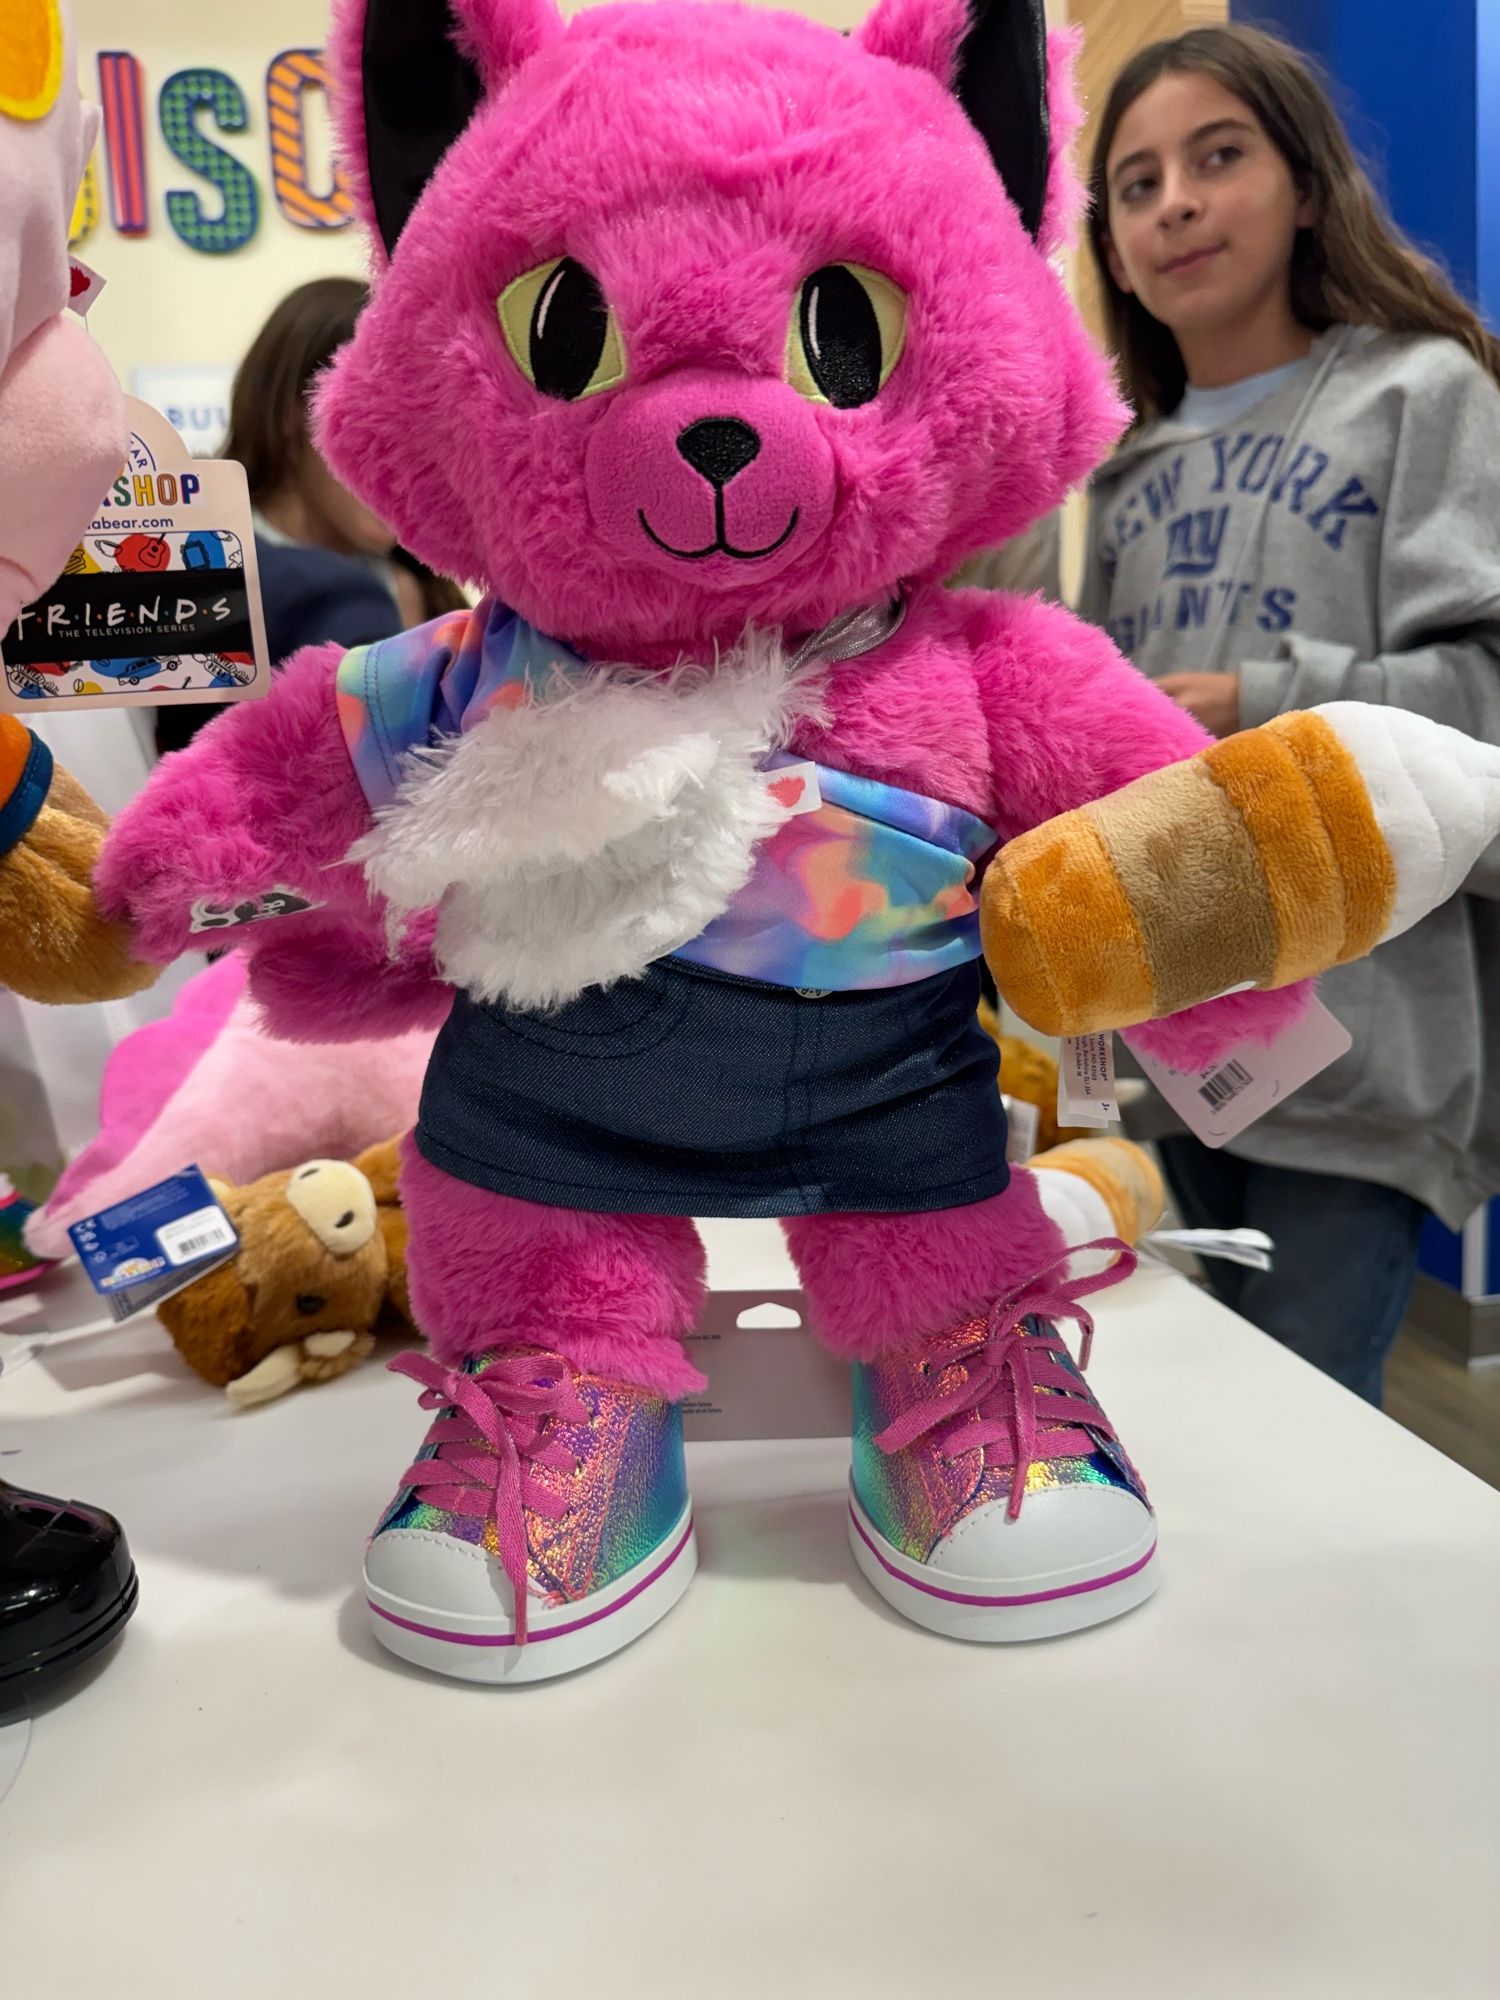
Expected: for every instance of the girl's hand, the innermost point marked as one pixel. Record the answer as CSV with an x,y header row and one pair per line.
x,y
1212,699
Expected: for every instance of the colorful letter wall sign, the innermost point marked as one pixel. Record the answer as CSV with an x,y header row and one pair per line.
x,y
288,80
192,104
182,96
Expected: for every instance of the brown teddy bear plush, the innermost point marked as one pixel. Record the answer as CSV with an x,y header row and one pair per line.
x,y
54,945
320,1269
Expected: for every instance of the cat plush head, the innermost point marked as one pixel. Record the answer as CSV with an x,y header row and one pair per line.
x,y
691,317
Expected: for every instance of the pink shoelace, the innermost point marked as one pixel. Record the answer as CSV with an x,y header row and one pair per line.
x,y
997,1402
498,1427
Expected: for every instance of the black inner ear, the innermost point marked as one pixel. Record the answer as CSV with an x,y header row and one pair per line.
x,y
419,94
1002,85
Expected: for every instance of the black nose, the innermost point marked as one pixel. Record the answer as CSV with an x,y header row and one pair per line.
x,y
718,447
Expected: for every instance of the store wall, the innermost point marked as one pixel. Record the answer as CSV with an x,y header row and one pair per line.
x,y
168,303
1424,144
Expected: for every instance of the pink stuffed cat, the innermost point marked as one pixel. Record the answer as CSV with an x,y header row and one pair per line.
x,y
707,342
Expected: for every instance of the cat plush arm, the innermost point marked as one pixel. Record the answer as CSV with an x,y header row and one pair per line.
x,y
263,799
1277,853
1071,722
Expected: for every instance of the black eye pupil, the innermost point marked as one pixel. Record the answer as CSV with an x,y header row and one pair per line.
x,y
841,337
310,1302
568,330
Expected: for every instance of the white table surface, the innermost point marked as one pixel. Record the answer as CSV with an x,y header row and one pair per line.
x,y
1279,1779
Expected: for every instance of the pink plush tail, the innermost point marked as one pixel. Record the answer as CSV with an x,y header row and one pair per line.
x,y
612,1293
875,1283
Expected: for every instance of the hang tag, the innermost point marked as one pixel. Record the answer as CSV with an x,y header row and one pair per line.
x,y
84,286
1023,1123
160,601
1219,1102
154,1243
257,909
1250,1247
1086,1080
795,786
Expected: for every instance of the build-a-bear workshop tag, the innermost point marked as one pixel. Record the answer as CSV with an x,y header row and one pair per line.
x,y
154,1243
159,602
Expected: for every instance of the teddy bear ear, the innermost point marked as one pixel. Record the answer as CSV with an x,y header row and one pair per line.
x,y
408,76
992,54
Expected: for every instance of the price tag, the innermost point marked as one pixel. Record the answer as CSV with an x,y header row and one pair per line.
x,y
146,1248
1218,1102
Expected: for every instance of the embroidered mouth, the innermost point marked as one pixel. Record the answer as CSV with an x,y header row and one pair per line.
x,y
721,544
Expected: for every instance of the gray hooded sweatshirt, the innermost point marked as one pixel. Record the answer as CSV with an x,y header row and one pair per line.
x,y
1340,540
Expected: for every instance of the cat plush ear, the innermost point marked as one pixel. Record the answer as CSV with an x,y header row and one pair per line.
x,y
408,76
992,54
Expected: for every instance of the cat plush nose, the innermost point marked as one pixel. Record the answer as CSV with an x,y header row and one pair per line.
x,y
719,447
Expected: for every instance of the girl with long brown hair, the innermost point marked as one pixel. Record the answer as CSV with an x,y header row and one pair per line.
x,y
1308,509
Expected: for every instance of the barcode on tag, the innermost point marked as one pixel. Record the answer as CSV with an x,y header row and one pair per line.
x,y
194,1236
1217,1104
1224,1085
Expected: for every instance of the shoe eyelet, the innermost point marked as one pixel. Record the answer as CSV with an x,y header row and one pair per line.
x,y
578,1468
925,1368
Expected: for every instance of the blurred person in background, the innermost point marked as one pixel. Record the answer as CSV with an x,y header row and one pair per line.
x,y
325,569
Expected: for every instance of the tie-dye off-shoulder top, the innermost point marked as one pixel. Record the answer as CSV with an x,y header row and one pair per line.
x,y
875,887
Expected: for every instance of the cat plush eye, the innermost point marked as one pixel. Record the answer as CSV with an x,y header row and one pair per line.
x,y
560,331
847,333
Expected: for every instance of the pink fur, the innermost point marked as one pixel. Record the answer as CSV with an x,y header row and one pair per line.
x,y
1067,196
345,45
921,34
333,979
243,1106
265,795
1205,1034
877,1282
500,35
612,1293
702,161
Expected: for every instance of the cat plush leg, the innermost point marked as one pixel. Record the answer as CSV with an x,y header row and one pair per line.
x,y
990,1498
545,1522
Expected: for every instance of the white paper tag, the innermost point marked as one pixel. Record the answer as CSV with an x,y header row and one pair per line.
x,y
1217,1103
1086,1080
84,286
1250,1247
795,786
193,1236
1022,1123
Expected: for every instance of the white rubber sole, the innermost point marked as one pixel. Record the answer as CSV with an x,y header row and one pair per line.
x,y
560,1638
1041,1607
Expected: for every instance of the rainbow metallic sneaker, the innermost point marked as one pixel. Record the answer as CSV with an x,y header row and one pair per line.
x,y
544,1525
990,1496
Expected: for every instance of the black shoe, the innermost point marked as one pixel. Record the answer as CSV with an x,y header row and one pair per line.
x,y
67,1586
